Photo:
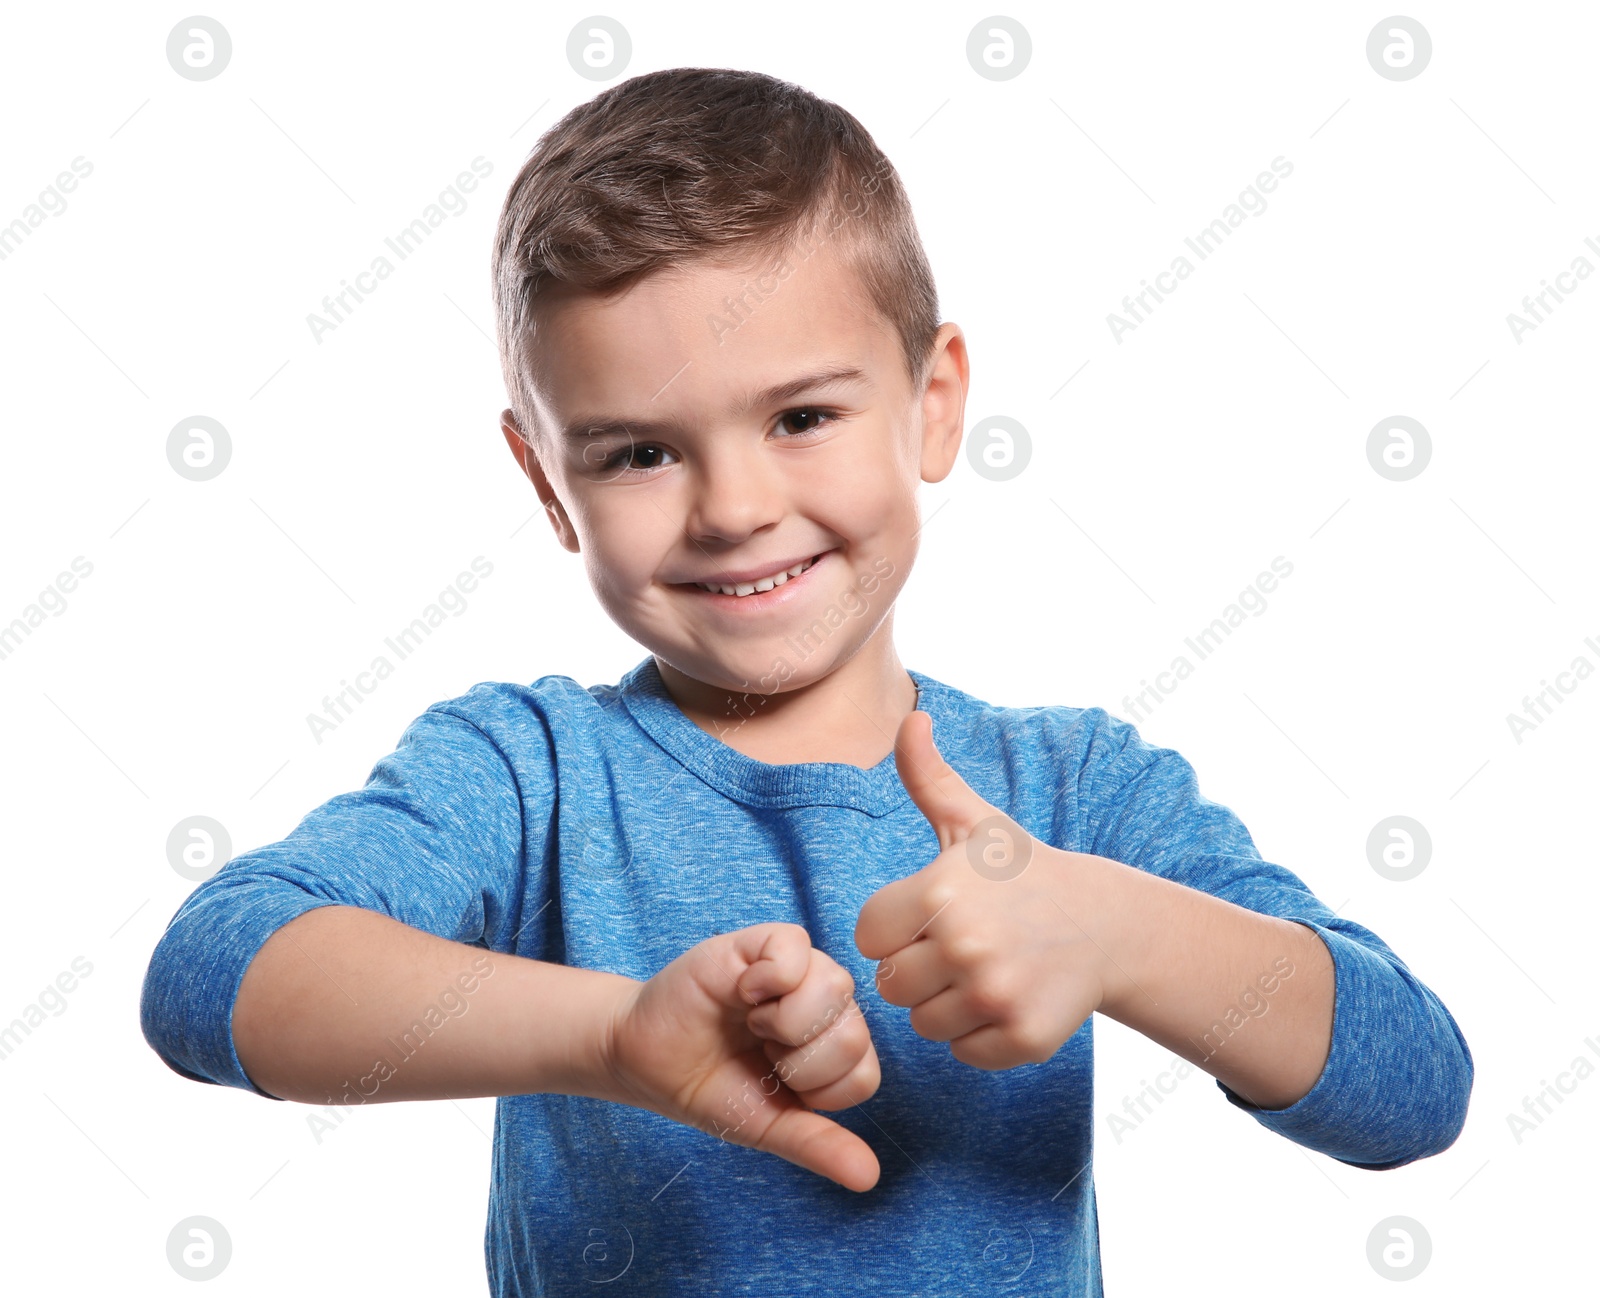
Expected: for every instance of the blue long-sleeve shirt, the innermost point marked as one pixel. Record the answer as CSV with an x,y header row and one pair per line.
x,y
601,828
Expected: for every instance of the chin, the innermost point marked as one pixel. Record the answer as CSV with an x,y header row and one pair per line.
x,y
766,670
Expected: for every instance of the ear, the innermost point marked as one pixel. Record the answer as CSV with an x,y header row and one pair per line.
x,y
944,403
527,455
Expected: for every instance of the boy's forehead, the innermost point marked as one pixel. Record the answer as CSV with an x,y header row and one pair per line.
x,y
706,330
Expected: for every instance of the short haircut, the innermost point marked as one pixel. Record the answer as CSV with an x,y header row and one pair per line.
x,y
671,167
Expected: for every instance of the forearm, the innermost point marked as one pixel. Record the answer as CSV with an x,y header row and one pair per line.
x,y
1245,996
343,1005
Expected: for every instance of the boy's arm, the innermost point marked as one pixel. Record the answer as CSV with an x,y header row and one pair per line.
x,y
367,957
1246,996
347,1006
435,840
1397,1074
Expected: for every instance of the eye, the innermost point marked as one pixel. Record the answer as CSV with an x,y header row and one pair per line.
x,y
622,463
816,418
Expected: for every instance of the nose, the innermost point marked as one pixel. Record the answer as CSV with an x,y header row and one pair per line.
x,y
735,492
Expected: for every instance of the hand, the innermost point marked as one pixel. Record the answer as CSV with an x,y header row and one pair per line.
x,y
742,1037
983,944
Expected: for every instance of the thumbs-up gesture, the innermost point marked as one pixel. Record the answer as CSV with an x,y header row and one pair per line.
x,y
984,944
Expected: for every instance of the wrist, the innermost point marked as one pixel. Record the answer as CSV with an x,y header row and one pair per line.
x,y
1098,908
622,995
579,1058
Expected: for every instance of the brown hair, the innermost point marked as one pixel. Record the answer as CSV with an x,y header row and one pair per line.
x,y
687,163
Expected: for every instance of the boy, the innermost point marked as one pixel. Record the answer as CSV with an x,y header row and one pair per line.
x,y
641,913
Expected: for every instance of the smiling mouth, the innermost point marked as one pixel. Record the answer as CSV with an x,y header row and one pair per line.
x,y
743,589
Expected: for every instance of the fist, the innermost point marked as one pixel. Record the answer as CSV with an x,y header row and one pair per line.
x,y
986,945
744,1036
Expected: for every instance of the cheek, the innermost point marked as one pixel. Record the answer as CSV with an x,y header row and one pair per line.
x,y
865,494
610,553
875,505
624,541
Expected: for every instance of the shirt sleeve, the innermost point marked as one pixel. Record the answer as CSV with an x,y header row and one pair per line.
x,y
434,839
1399,1073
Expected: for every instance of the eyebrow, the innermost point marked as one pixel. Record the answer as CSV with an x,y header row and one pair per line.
x,y
584,427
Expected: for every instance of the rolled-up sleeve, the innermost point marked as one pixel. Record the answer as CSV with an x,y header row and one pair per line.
x,y
435,839
1399,1073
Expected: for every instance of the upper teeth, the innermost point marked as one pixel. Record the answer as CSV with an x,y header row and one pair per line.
x,y
766,583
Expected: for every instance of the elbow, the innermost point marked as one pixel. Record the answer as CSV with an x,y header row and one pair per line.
x,y
164,1018
193,981
158,1022
1456,1077
1432,1112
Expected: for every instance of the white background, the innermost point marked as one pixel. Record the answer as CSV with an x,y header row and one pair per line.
x,y
368,470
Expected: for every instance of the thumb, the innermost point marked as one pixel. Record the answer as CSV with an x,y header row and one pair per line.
x,y
805,1138
948,801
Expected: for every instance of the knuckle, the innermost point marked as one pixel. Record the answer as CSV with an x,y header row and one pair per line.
x,y
989,994
855,1033
831,1020
1034,1043
894,993
861,1081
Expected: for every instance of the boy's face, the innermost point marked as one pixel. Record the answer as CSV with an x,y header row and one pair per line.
x,y
688,432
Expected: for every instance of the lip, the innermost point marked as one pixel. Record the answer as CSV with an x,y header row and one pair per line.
x,y
761,599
